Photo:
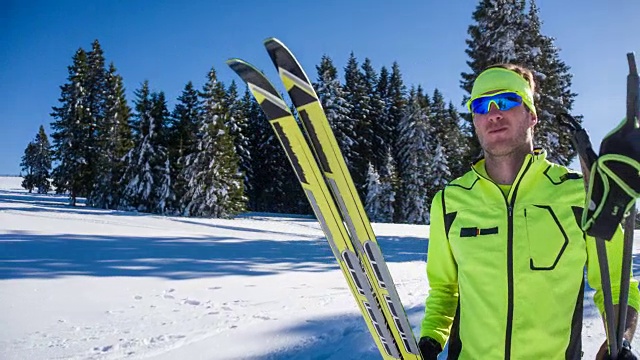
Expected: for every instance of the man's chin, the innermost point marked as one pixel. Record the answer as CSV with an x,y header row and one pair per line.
x,y
497,150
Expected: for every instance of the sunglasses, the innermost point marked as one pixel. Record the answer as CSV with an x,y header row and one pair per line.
x,y
503,101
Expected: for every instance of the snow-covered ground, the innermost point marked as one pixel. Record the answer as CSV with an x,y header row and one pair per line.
x,y
82,283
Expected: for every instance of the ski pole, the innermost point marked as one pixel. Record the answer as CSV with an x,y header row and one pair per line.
x,y
633,113
582,145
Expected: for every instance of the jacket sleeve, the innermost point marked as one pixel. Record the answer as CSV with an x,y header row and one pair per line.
x,y
614,257
442,273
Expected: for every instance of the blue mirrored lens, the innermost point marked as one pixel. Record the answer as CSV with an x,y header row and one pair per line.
x,y
504,101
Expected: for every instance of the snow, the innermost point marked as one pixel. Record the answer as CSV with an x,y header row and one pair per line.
x,y
82,283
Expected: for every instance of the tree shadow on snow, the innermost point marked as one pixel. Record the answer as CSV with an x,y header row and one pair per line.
x,y
252,251
334,338
49,256
35,198
26,255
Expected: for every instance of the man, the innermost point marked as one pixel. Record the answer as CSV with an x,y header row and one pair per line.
x,y
506,252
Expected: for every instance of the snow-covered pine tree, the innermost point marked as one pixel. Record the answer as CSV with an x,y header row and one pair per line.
x,y
72,131
146,163
214,182
263,145
336,107
413,141
36,163
96,91
388,185
114,140
42,162
373,201
383,128
423,100
182,137
246,107
375,130
396,102
458,150
448,133
27,165
238,127
164,191
439,174
438,118
553,81
356,94
184,123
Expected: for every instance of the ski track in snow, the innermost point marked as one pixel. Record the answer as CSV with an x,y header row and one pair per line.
x,y
82,283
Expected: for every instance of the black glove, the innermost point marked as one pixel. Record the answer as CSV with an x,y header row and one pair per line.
x,y
625,353
429,348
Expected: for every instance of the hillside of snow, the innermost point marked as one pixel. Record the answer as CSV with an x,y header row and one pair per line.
x,y
83,283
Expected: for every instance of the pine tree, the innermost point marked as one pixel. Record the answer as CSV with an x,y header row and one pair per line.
x,y
373,201
72,130
388,185
457,143
36,163
414,163
356,89
164,192
182,136
215,185
114,140
383,126
375,130
553,81
439,174
249,112
238,128
447,132
262,145
42,162
438,118
28,164
396,102
146,178
96,101
336,107
184,123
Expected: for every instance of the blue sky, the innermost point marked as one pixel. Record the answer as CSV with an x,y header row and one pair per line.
x,y
172,42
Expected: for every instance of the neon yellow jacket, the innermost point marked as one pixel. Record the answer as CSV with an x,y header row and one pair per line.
x,y
507,274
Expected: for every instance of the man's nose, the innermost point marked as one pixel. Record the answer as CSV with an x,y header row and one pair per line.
x,y
494,112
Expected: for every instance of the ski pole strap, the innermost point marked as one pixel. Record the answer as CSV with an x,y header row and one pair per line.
x,y
579,138
614,182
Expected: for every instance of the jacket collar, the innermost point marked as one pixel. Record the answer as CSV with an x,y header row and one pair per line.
x,y
537,159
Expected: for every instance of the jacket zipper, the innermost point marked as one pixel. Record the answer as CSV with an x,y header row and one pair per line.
x,y
510,205
507,345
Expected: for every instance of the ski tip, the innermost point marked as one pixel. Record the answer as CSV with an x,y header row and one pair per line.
x,y
272,40
277,48
233,61
243,69
237,65
283,58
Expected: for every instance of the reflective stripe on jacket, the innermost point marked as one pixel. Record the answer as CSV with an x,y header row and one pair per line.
x,y
506,274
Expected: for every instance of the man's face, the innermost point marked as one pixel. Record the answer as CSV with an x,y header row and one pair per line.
x,y
503,132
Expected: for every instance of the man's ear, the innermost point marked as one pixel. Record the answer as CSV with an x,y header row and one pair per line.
x,y
534,119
